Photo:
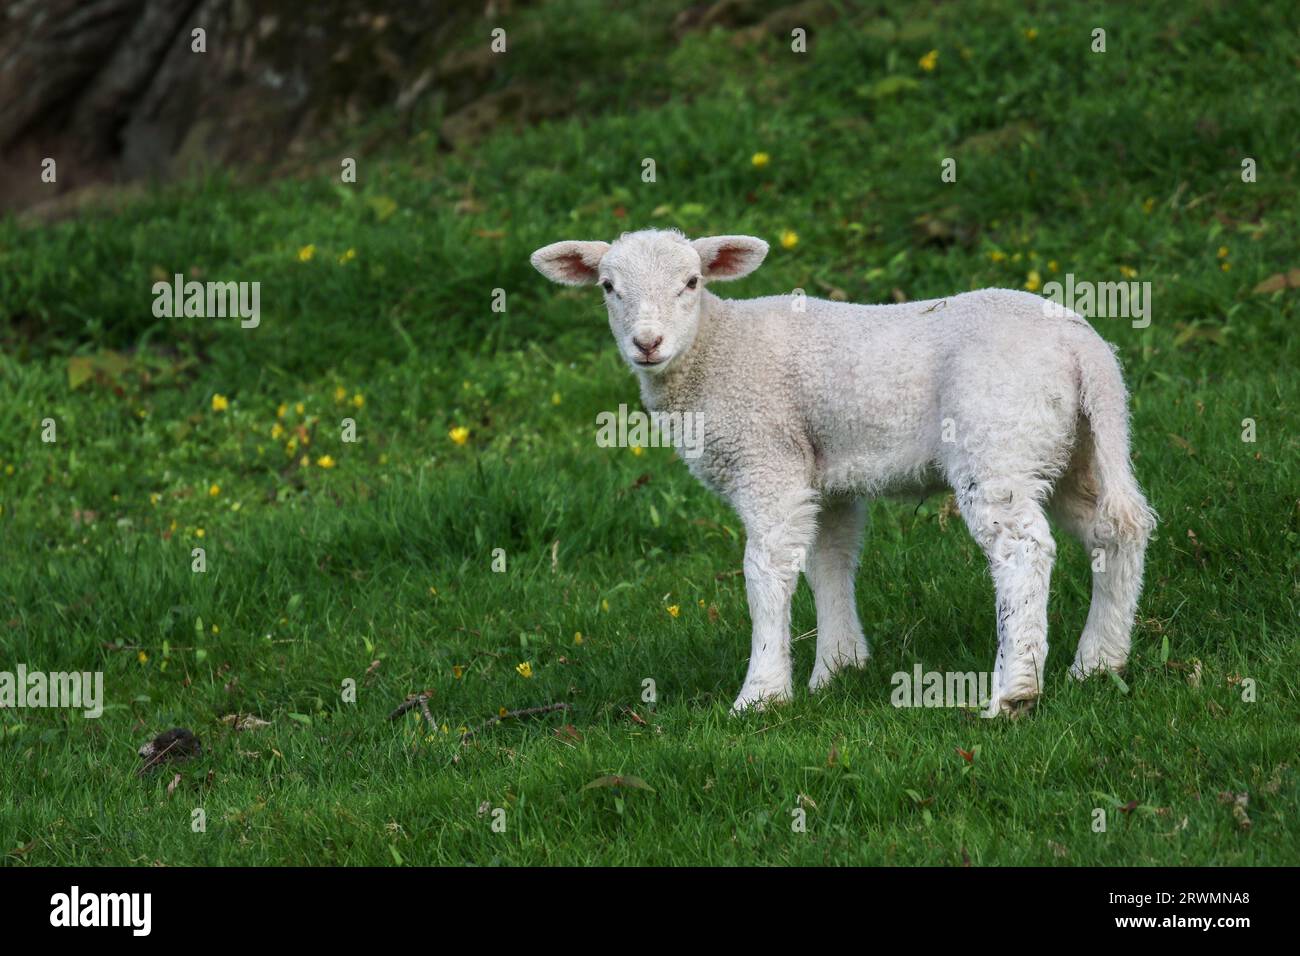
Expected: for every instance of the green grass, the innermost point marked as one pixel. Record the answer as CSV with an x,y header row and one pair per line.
x,y
1093,163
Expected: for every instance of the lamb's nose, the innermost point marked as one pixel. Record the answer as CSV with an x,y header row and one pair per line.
x,y
647,348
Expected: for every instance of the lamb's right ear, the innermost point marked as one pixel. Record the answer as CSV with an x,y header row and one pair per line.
x,y
570,262
729,257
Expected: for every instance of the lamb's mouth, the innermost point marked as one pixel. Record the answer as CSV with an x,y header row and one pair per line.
x,y
650,362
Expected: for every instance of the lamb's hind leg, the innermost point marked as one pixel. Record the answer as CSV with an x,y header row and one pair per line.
x,y
831,570
1116,540
1010,526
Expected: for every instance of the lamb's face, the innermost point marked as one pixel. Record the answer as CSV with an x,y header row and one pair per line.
x,y
653,282
652,285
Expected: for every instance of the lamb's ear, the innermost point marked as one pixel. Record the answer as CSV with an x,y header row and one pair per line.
x,y
730,257
570,262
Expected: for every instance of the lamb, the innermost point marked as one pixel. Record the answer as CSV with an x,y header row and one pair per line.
x,y
807,407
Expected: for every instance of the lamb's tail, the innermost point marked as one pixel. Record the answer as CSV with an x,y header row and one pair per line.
x,y
1122,511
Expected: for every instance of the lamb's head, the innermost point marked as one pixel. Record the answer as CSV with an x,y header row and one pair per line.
x,y
653,281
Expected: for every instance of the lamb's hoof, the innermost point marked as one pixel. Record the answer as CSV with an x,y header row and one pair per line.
x,y
758,700
1012,708
1082,670
825,671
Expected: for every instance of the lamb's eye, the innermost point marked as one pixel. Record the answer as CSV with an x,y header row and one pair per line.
x,y
695,280
607,285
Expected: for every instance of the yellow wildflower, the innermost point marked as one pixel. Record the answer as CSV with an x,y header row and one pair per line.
x,y
214,490
220,403
789,239
760,160
1033,281
674,610
306,252
929,61
325,461
525,669
459,434
577,637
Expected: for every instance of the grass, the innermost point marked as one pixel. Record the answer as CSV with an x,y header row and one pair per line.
x,y
184,433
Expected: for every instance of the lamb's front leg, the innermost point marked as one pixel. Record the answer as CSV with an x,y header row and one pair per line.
x,y
832,567
780,531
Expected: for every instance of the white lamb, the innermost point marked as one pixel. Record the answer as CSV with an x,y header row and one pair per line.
x,y
806,407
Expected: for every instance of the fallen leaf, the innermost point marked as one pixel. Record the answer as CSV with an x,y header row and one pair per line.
x,y
1279,281
1238,802
887,86
245,721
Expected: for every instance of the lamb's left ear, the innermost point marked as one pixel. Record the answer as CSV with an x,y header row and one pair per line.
x,y
570,262
729,257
